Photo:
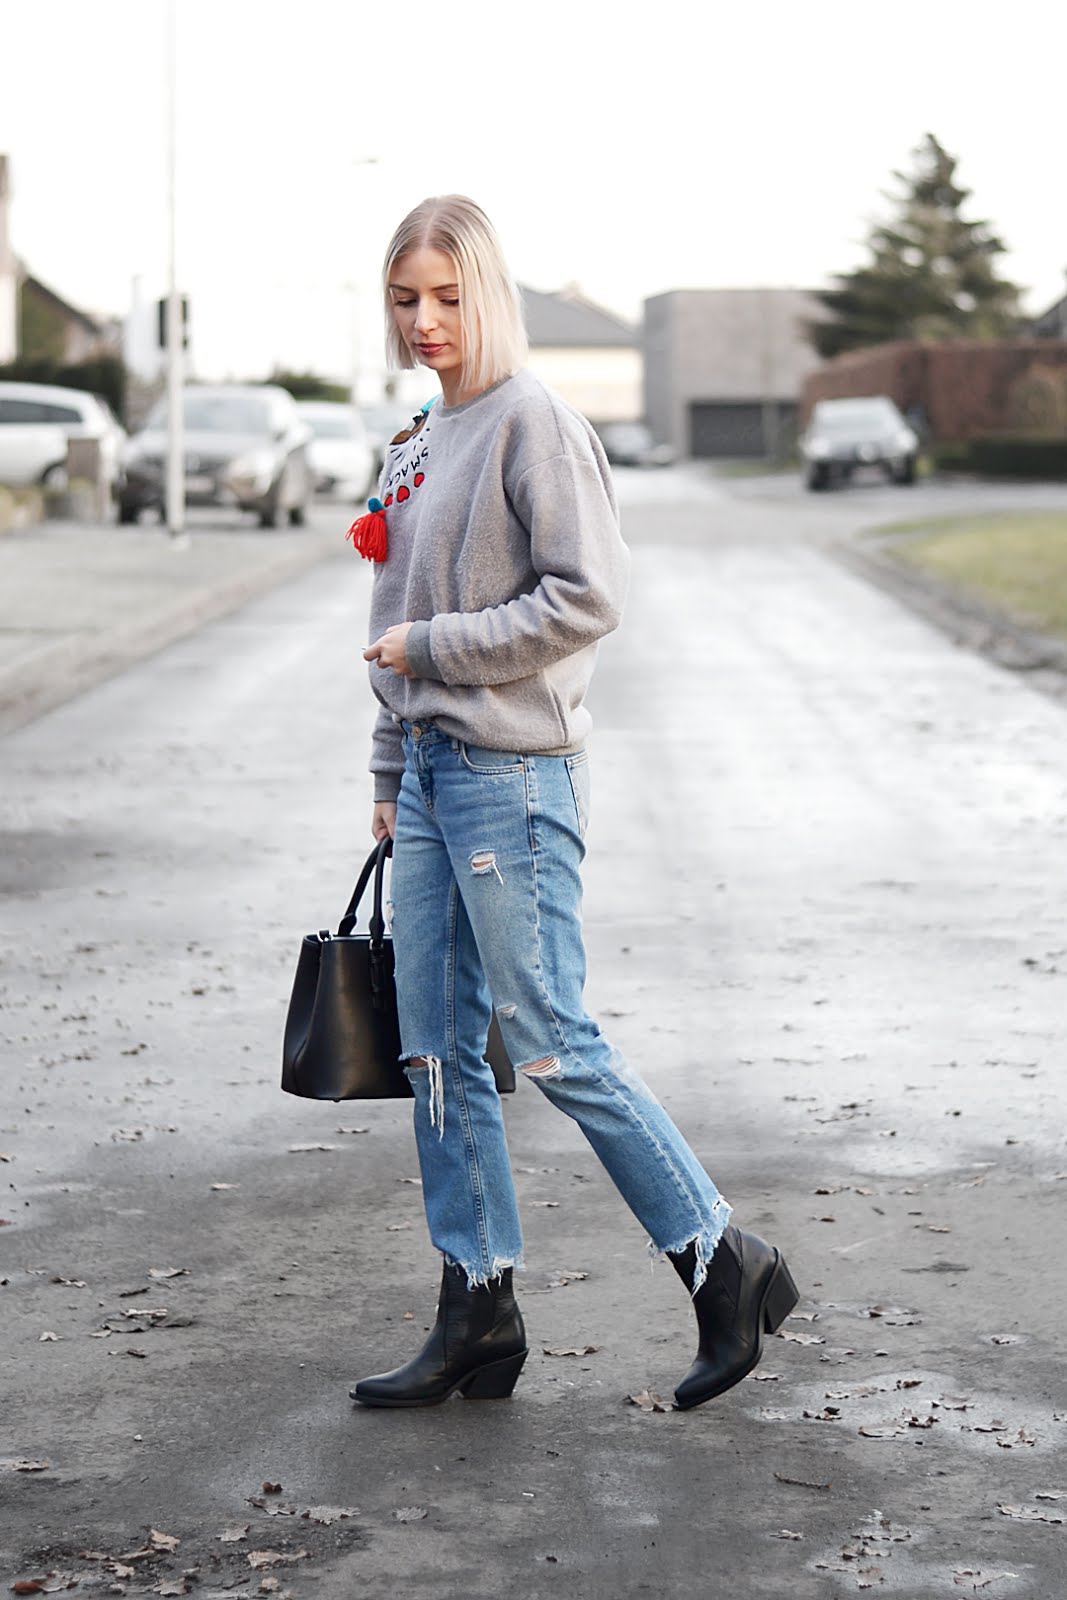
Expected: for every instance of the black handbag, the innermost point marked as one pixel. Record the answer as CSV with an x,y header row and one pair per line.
x,y
342,1038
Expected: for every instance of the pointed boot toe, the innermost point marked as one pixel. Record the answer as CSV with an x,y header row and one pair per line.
x,y
748,1292
476,1347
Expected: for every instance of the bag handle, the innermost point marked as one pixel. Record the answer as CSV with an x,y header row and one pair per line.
x,y
375,863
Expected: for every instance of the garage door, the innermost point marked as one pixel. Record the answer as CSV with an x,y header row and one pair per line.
x,y
726,429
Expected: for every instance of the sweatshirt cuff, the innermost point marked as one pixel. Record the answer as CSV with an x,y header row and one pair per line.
x,y
386,787
417,650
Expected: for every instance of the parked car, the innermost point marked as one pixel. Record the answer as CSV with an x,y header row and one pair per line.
x,y
867,431
630,444
246,445
32,418
383,423
342,461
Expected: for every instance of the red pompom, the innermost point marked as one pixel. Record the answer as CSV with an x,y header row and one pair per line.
x,y
370,536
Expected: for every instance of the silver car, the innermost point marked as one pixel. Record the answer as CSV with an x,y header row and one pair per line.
x,y
245,446
868,431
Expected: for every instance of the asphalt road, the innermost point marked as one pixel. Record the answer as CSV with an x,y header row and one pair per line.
x,y
825,918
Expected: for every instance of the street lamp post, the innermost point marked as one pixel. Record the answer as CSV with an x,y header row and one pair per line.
x,y
356,350
175,479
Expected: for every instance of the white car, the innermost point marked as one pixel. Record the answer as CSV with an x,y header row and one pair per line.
x,y
341,456
33,415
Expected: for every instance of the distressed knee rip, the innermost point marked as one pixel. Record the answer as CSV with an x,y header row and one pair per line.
x,y
435,1067
547,1067
483,862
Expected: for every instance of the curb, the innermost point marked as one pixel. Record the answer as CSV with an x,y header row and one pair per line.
x,y
69,668
968,622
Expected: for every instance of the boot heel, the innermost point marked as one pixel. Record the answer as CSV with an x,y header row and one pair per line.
x,y
782,1296
496,1381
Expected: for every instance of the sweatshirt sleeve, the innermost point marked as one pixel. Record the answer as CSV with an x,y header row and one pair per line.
x,y
576,549
387,756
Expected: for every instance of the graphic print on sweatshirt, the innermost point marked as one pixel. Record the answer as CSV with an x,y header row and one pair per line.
x,y
410,472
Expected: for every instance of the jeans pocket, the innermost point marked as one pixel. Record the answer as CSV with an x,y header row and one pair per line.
x,y
578,773
489,763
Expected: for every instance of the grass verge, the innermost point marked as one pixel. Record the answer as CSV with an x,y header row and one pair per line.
x,y
1014,561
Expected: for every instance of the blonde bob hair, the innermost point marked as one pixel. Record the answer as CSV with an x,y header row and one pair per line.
x,y
490,311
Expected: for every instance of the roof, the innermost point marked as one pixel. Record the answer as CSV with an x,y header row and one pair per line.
x,y
567,318
1053,322
72,314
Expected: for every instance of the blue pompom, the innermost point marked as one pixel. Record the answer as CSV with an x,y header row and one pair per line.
x,y
374,504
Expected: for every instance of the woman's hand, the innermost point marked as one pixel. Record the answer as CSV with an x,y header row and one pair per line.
x,y
383,820
389,650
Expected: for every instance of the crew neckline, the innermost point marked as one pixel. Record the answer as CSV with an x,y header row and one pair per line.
x,y
465,405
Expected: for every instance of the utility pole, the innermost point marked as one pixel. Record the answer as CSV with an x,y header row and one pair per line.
x,y
356,351
175,483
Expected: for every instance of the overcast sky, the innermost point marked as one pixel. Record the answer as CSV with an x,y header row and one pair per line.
x,y
629,148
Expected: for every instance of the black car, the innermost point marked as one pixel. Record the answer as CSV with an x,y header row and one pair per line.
x,y
245,446
868,431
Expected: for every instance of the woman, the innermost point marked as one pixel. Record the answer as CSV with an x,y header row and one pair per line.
x,y
499,566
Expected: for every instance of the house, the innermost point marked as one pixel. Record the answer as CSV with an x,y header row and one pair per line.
x,y
588,355
36,323
1052,324
8,274
724,368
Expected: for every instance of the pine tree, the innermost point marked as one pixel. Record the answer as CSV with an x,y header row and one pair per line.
x,y
931,274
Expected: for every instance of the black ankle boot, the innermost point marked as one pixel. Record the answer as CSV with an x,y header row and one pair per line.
x,y
748,1292
477,1345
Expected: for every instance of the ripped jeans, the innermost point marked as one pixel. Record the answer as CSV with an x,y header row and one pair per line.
x,y
487,912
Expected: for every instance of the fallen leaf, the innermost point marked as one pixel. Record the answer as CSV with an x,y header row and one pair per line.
x,y
800,1483
868,1577
146,1314
765,1377
232,1535
271,1488
768,1414
162,1541
882,1430
275,1558
353,1130
562,1279
1049,1494
648,1400
953,1402
225,1185
48,1338
546,1205
300,1149
861,1391
118,1569
1004,1338
908,1383
968,1578
168,1272
799,1338
410,1513
1024,1436
268,1585
785,1533
416,1181
578,1350
170,1586
827,1414
398,1227
325,1515
803,1316
994,1426
71,1283
128,1294
273,1508
28,1466
1030,1514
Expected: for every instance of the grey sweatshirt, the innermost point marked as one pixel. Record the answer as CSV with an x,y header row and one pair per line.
x,y
505,552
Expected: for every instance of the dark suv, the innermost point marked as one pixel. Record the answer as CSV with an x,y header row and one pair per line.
x,y
245,446
867,431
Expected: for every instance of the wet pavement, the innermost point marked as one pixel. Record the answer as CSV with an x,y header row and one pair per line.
x,y
825,919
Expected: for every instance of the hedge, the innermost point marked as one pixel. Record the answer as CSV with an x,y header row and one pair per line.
x,y
1004,456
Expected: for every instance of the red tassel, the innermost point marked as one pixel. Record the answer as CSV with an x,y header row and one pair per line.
x,y
370,533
